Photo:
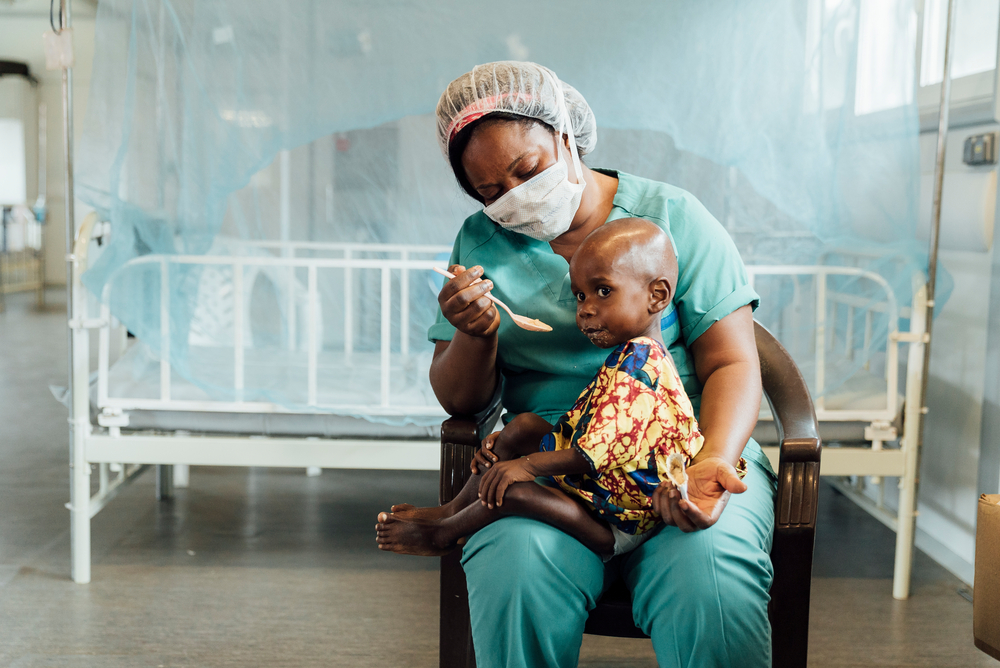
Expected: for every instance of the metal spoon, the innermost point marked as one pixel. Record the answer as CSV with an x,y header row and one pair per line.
x,y
521,321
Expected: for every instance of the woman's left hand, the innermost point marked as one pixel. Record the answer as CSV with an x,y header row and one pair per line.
x,y
710,483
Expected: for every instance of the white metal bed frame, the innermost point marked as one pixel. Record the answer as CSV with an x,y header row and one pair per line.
x,y
849,466
108,448
24,270
113,408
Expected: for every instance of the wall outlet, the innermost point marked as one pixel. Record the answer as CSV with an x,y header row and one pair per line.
x,y
981,149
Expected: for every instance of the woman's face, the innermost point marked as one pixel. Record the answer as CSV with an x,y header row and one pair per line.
x,y
502,155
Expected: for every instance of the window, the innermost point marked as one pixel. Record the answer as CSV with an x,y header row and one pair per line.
x,y
973,69
866,55
975,33
887,32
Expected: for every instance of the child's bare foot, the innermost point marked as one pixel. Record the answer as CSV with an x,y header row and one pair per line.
x,y
396,534
408,511
401,506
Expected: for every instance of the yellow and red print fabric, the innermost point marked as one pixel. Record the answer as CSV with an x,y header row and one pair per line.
x,y
625,423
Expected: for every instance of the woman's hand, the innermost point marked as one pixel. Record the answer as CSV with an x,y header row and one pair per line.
x,y
501,476
465,305
710,483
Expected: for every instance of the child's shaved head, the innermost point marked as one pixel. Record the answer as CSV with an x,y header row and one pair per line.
x,y
623,276
634,244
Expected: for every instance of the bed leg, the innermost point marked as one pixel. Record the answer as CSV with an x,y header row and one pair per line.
x,y
79,509
164,482
182,475
905,528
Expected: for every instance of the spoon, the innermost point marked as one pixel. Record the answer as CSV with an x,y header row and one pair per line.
x,y
524,322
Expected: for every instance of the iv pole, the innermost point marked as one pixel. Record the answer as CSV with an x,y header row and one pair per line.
x,y
906,529
79,349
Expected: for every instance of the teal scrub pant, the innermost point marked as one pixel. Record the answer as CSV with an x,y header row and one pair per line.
x,y
702,597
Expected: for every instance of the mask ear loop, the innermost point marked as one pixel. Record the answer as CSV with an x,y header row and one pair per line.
x,y
567,124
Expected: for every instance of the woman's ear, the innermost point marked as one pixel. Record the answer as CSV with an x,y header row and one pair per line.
x,y
660,293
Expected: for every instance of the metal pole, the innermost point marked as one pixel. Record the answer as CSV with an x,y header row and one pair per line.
x,y
40,204
79,414
901,586
67,99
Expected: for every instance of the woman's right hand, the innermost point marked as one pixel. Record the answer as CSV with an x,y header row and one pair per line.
x,y
465,305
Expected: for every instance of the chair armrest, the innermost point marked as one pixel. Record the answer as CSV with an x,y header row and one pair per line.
x,y
796,502
460,437
798,431
788,396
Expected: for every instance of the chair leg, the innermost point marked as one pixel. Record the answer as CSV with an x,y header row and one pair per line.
x,y
789,608
455,644
164,482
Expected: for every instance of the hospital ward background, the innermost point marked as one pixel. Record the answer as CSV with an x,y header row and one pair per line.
x,y
220,221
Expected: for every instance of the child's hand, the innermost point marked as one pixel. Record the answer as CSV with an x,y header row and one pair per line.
x,y
501,476
485,456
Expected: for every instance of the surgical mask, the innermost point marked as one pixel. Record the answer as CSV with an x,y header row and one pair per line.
x,y
542,207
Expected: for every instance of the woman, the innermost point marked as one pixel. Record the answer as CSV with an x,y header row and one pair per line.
x,y
513,134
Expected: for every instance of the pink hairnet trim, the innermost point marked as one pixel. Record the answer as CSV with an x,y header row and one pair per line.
x,y
479,108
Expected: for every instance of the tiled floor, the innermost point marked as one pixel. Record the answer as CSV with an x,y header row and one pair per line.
x,y
266,567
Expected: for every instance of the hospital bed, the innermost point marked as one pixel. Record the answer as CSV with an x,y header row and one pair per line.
x,y
869,412
22,262
367,406
357,407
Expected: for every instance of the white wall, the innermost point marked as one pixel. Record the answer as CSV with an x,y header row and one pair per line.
x,y
21,28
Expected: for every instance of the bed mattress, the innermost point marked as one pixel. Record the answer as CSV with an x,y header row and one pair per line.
x,y
348,394
863,391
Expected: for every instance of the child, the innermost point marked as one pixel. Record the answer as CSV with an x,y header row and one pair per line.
x,y
606,455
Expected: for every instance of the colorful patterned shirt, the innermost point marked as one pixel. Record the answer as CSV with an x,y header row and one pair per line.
x,y
631,416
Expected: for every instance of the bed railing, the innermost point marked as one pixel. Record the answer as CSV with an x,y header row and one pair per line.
x,y
827,306
350,258
831,309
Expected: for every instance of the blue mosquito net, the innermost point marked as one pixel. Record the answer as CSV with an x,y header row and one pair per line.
x,y
276,193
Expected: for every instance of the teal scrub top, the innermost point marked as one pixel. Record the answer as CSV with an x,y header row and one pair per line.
x,y
545,372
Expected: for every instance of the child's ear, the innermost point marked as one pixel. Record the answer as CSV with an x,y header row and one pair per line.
x,y
660,293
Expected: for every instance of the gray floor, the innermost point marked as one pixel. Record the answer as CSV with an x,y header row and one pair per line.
x,y
267,567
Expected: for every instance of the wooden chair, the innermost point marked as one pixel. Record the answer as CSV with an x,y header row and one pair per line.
x,y
794,521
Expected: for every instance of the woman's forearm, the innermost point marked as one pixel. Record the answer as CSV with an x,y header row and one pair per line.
x,y
730,403
464,374
727,365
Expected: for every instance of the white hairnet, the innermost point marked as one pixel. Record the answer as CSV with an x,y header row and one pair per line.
x,y
514,87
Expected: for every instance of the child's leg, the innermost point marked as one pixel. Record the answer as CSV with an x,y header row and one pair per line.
x,y
503,448
526,499
468,494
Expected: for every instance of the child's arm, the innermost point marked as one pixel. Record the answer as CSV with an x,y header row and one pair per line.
x,y
503,474
520,437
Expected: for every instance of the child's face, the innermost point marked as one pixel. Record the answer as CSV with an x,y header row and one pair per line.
x,y
612,303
